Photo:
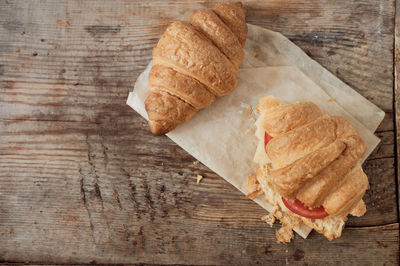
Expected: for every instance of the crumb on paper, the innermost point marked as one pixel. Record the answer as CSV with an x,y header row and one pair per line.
x,y
269,219
244,105
331,100
199,178
253,187
249,110
63,22
254,194
248,89
251,183
254,112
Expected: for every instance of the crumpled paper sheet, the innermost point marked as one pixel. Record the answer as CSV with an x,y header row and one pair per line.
x,y
268,48
222,135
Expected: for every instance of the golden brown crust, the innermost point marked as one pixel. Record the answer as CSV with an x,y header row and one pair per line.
x,y
359,210
268,104
330,226
184,87
344,128
167,111
286,148
312,193
195,64
189,52
234,16
289,179
208,23
317,162
348,194
290,116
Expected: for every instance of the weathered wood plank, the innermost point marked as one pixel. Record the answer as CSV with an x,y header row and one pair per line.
x,y
107,57
387,123
52,163
101,187
397,98
82,179
347,38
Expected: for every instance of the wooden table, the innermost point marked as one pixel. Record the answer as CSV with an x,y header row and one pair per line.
x,y
83,181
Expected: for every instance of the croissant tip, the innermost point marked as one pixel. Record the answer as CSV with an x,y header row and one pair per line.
x,y
157,133
238,3
158,129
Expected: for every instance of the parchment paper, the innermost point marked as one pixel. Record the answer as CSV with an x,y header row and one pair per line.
x,y
269,48
222,135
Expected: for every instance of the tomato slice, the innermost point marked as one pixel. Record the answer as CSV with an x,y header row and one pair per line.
x,y
298,207
267,138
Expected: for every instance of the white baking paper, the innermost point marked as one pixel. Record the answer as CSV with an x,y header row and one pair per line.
x,y
270,48
222,135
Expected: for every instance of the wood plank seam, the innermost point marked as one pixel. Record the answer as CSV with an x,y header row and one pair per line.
x,y
396,103
396,90
371,227
379,158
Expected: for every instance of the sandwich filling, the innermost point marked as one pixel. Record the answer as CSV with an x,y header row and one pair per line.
x,y
297,206
309,168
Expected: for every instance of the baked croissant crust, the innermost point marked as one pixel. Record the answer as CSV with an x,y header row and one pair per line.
x,y
194,63
314,158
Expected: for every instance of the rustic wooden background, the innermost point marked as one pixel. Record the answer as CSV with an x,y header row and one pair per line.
x,y
83,181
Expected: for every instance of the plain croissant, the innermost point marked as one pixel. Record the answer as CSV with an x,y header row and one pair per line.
x,y
194,63
315,159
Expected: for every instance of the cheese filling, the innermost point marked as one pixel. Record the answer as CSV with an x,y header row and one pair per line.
x,y
330,226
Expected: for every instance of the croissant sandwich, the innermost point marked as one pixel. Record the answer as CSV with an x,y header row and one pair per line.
x,y
194,63
309,168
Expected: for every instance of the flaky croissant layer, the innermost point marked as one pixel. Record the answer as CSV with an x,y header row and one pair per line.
x,y
315,157
194,63
307,155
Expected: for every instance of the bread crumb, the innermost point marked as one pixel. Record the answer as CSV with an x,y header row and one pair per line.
x,y
249,110
269,219
331,100
253,187
196,162
359,209
244,105
284,234
63,22
254,194
251,183
199,178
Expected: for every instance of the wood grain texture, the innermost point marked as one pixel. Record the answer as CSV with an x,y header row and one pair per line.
x,y
82,180
396,92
